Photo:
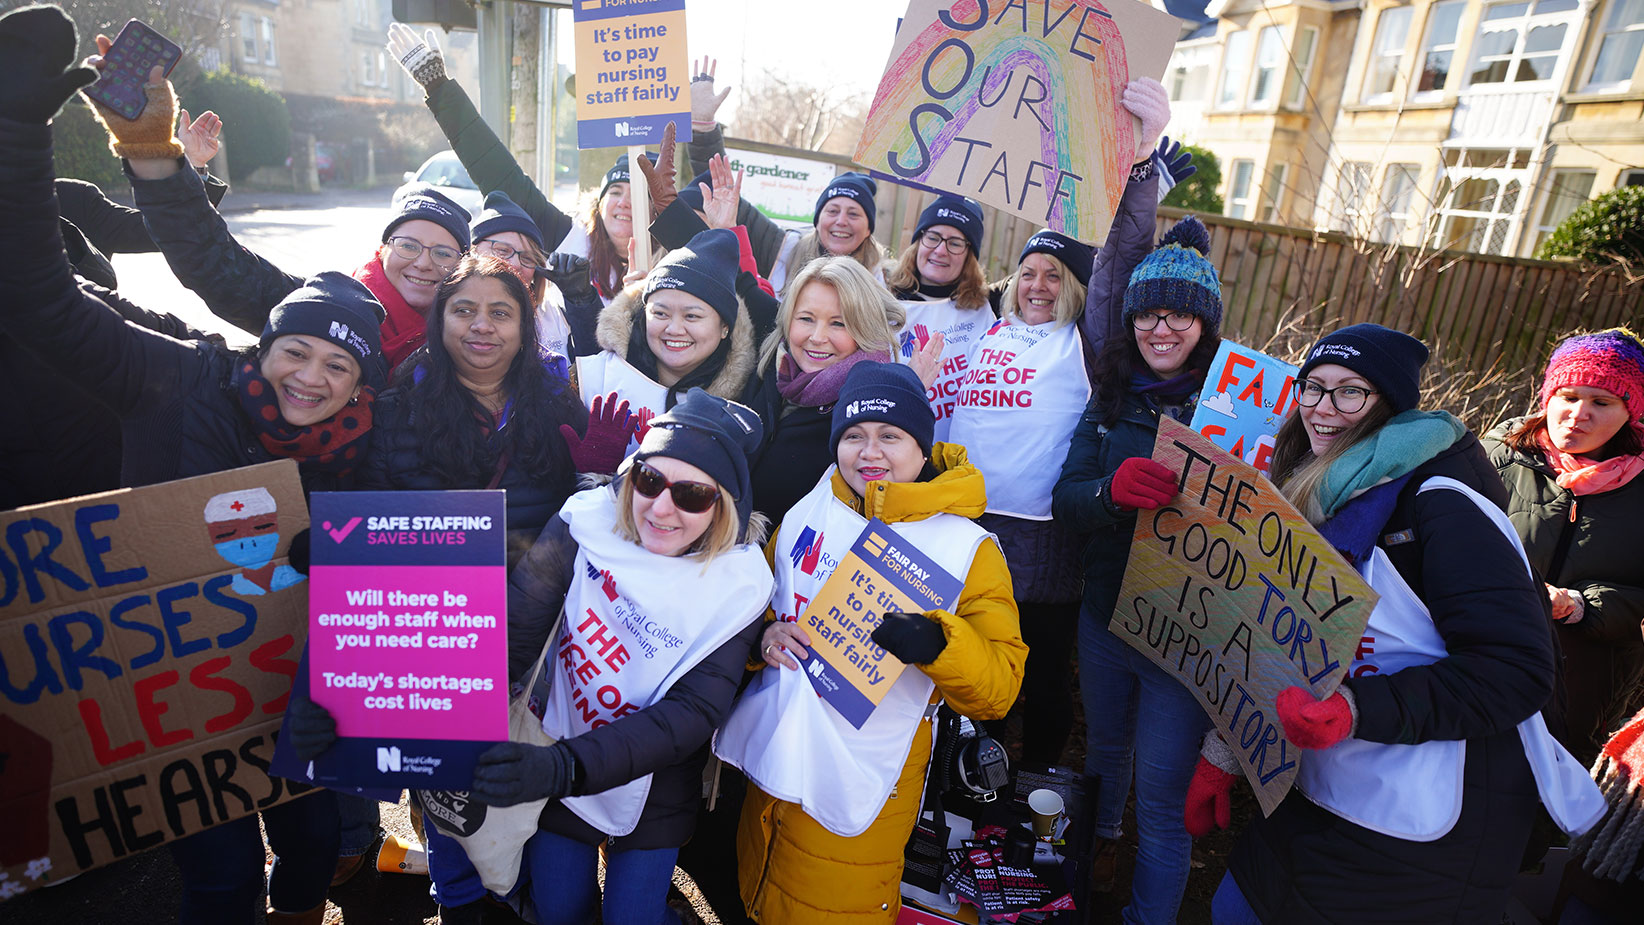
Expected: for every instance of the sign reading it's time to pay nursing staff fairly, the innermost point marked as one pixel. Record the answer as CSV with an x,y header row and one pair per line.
x,y
632,72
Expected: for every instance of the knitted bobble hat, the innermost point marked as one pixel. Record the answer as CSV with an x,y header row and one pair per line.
x,y
857,187
1612,360
1178,276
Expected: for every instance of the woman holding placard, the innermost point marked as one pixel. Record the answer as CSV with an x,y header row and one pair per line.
x,y
1420,775
1172,312
832,805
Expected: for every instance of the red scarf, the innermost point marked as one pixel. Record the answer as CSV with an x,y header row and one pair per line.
x,y
1582,475
405,329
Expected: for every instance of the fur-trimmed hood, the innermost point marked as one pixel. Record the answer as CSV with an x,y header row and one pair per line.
x,y
616,325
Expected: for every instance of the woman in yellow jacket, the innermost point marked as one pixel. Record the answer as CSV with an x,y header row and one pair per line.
x,y
831,803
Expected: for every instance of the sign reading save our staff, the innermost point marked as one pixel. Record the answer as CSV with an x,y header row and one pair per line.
x,y
1018,104
631,72
408,634
148,638
880,574
1245,399
1234,593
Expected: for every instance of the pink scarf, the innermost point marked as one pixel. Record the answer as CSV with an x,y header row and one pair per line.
x,y
1584,476
819,387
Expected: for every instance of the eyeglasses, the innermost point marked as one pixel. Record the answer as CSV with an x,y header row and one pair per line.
x,y
933,240
1348,399
690,497
411,249
509,252
1175,321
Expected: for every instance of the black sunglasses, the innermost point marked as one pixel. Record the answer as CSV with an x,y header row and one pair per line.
x,y
690,497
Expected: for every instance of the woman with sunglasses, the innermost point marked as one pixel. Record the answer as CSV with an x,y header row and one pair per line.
x,y
1421,774
1135,713
642,601
832,805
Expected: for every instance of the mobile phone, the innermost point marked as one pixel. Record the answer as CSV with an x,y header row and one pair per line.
x,y
135,52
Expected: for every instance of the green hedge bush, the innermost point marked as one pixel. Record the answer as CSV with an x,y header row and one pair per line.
x,y
1608,229
256,123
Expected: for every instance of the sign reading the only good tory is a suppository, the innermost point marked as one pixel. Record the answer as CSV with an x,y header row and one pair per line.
x,y
632,75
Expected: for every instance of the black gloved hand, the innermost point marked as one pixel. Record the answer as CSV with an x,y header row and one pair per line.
x,y
570,273
297,555
511,772
912,637
309,727
38,72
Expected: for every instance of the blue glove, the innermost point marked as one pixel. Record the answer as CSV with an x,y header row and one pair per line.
x,y
1175,165
309,727
511,772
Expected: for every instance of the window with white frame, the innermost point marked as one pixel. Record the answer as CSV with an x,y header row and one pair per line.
x,y
1520,42
1238,189
368,69
1398,191
1235,65
1631,177
211,59
1352,189
1622,45
1189,78
1566,191
1273,193
1386,51
1438,48
1479,199
268,41
248,37
1297,81
1264,86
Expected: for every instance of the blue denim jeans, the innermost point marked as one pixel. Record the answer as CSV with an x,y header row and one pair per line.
x,y
1119,684
565,888
222,867
361,820
455,881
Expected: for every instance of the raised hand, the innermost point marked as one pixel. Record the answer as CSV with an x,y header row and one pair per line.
x,y
661,178
1175,165
37,66
927,360
601,447
421,58
704,102
201,137
1147,100
720,203
152,135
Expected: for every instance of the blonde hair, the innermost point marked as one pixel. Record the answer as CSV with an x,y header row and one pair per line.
x,y
720,537
970,288
1070,301
869,253
872,315
1299,474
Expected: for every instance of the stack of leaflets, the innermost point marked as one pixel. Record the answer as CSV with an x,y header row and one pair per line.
x,y
978,875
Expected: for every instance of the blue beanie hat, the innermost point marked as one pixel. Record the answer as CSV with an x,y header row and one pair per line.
x,y
957,211
857,187
692,194
1391,360
705,267
502,215
1075,255
886,392
620,172
427,203
1178,276
713,434
335,307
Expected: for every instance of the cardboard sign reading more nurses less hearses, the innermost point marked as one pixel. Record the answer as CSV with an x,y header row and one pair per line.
x,y
1245,399
880,574
148,638
1018,104
408,634
1233,592
631,72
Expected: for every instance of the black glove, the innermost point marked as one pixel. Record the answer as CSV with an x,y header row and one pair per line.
x,y
38,73
297,555
511,772
309,727
570,273
911,637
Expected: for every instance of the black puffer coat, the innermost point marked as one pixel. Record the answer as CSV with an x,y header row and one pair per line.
x,y
795,452
1590,544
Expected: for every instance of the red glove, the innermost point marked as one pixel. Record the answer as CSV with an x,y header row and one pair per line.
x,y
1140,482
602,447
1208,802
1314,723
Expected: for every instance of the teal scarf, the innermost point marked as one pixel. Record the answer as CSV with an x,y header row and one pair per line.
x,y
1403,443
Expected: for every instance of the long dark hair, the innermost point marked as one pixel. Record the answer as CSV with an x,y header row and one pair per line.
x,y
607,263
448,419
1120,360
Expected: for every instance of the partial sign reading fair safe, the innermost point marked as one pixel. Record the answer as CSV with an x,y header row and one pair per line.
x,y
1233,592
631,72
408,634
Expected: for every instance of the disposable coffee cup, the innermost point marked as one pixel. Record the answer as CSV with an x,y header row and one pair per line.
x,y
398,856
1047,807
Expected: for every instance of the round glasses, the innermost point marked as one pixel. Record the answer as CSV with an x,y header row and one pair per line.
x,y
690,497
933,240
411,249
509,252
1348,399
1175,321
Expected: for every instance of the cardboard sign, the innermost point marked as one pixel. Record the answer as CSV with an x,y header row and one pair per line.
x,y
784,188
148,638
1245,399
632,76
879,574
1017,104
1234,593
408,634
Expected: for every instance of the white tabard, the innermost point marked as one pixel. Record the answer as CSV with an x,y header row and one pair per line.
x,y
962,328
1018,404
605,372
635,623
786,738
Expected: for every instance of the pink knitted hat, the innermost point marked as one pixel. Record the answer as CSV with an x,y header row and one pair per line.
x,y
1612,360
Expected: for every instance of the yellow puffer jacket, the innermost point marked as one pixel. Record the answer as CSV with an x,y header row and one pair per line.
x,y
792,870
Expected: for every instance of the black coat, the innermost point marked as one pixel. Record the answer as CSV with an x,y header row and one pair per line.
x,y
795,452
668,739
